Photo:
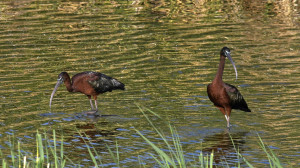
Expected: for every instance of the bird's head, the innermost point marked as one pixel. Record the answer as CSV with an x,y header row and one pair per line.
x,y
225,52
63,76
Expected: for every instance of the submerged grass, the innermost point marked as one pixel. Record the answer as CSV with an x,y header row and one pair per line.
x,y
168,153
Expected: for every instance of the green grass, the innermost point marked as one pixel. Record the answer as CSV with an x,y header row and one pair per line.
x,y
167,153
19,158
175,156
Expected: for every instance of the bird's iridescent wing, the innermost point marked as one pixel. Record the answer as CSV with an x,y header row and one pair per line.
x,y
236,99
103,83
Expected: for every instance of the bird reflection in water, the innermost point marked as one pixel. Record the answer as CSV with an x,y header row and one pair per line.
x,y
224,148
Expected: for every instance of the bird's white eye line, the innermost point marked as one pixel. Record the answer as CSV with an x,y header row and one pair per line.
x,y
227,52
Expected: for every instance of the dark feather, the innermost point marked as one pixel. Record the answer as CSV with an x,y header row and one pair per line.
x,y
103,83
236,99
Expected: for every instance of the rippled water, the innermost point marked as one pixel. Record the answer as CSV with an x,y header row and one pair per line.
x,y
166,52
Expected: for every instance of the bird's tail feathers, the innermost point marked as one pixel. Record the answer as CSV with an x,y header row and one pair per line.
x,y
245,109
117,84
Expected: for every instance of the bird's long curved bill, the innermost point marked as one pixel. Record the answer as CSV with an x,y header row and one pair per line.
x,y
236,74
53,92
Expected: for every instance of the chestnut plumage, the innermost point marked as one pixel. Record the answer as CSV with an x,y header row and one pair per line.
x,y
89,83
225,96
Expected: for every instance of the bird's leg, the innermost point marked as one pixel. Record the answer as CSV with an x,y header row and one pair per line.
x,y
227,116
91,102
96,104
227,119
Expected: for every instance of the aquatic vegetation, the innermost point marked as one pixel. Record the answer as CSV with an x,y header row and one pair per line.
x,y
168,153
47,154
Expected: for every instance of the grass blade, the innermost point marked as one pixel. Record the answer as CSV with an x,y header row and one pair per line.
x,y
89,150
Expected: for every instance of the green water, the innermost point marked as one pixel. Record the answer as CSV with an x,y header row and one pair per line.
x,y
166,53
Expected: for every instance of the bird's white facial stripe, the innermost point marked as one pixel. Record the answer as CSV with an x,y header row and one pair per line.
x,y
60,79
227,52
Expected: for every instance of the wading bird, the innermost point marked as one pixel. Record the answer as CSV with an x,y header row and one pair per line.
x,y
88,83
225,96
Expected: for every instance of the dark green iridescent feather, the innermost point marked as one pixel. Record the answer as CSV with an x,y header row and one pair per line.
x,y
236,99
102,83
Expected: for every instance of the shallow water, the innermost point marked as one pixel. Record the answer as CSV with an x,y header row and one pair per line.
x,y
166,53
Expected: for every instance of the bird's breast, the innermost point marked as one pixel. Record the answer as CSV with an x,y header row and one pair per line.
x,y
217,94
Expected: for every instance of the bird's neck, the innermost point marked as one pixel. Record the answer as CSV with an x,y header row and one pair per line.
x,y
68,84
220,71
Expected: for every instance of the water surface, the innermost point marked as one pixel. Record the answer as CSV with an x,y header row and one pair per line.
x,y
166,52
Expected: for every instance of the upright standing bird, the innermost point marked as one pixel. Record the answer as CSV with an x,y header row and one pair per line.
x,y
89,83
225,96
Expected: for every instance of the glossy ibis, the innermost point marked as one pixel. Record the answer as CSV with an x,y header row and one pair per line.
x,y
88,83
225,96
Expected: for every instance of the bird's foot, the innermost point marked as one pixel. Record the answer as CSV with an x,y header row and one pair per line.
x,y
229,126
92,112
97,113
